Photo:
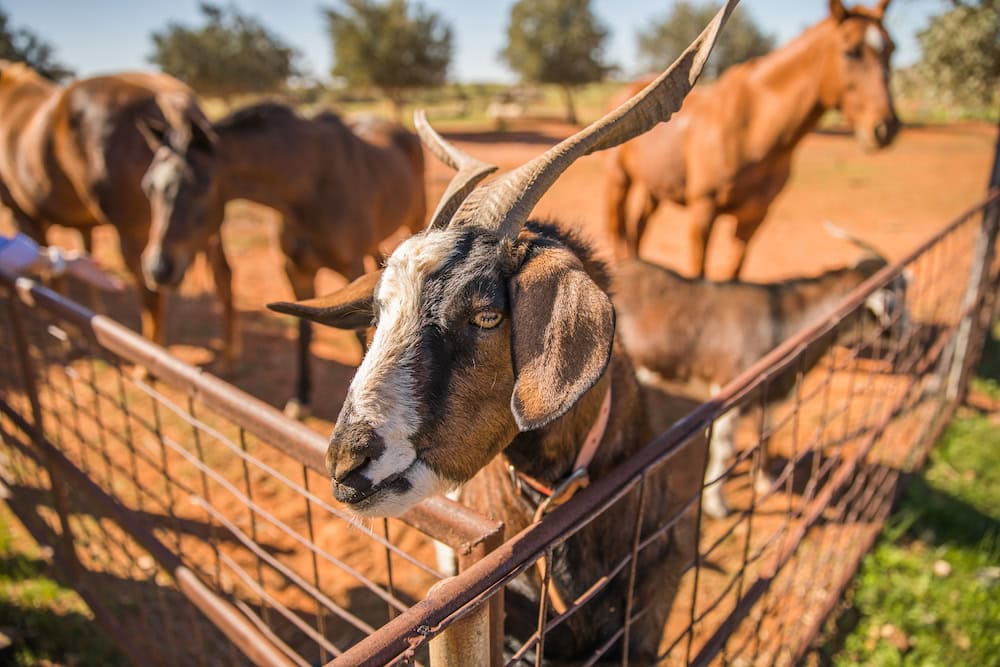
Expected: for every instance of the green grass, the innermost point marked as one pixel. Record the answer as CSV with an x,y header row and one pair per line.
x,y
46,622
929,594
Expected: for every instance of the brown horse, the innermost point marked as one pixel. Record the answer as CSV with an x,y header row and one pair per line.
x,y
340,190
75,156
729,149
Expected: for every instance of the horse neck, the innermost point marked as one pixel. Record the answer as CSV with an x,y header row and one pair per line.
x,y
798,74
548,454
257,166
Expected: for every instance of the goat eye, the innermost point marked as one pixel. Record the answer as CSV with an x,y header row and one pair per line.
x,y
855,52
487,319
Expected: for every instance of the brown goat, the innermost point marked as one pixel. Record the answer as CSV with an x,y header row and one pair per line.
x,y
492,338
695,331
729,149
74,156
340,189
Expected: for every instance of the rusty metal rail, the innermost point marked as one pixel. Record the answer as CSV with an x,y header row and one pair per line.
x,y
177,489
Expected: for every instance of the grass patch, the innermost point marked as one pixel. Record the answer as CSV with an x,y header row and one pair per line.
x,y
929,593
46,622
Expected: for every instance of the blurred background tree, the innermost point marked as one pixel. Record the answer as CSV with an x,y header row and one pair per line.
x,y
961,53
393,46
556,41
666,38
231,54
21,44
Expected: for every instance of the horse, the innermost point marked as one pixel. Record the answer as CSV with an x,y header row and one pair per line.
x,y
75,156
729,149
340,188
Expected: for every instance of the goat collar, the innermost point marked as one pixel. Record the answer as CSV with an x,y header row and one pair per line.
x,y
546,498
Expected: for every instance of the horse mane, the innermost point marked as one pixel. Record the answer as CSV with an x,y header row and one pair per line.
x,y
20,72
257,116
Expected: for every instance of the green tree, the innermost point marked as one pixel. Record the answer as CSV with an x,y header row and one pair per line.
x,y
21,44
231,54
961,52
394,46
556,41
666,38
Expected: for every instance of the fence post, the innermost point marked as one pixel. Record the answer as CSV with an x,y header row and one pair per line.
x,y
59,498
465,642
979,282
496,601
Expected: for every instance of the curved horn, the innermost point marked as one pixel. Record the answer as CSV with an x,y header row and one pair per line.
x,y
505,203
470,170
838,232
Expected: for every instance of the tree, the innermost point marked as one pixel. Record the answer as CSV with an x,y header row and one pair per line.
x,y
394,46
961,52
21,44
664,40
231,54
556,41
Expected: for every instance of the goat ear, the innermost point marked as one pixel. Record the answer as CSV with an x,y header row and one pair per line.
x,y
154,131
348,308
837,10
881,8
562,330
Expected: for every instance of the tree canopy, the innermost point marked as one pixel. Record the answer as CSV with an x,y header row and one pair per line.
x,y
665,39
556,41
394,46
232,53
21,44
961,52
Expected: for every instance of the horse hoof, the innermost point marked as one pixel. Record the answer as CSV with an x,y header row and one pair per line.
x,y
294,409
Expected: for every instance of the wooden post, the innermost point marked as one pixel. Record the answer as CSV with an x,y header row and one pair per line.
x,y
465,642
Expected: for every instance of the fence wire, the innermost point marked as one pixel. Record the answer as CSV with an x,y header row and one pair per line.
x,y
196,521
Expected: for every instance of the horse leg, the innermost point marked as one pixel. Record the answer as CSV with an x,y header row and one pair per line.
x,y
153,304
749,217
703,214
649,204
616,189
93,294
303,285
222,274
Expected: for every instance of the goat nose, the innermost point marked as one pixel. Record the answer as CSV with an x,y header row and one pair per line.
x,y
886,131
162,269
351,449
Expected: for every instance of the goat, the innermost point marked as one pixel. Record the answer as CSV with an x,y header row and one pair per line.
x,y
688,330
496,336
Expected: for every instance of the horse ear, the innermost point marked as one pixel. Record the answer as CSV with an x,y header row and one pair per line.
x,y
203,135
562,330
837,10
881,8
350,307
154,131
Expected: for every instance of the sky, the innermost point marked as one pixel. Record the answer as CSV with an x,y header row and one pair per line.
x,y
95,36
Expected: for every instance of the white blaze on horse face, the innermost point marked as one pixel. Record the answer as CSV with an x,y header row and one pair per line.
x,y
874,39
163,170
384,390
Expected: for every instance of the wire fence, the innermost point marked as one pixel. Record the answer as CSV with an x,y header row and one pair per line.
x,y
196,521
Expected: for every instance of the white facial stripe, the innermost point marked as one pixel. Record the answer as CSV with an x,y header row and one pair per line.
x,y
163,172
874,39
383,392
881,303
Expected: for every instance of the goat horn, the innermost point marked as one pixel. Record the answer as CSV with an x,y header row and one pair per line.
x,y
838,232
506,203
470,170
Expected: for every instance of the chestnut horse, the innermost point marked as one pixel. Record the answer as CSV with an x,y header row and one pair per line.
x,y
75,155
340,189
729,149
